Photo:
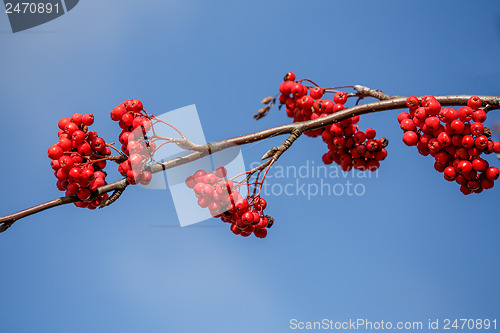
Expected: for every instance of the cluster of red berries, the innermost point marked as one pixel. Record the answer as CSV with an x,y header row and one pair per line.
x,y
351,148
348,146
78,160
218,194
455,138
135,123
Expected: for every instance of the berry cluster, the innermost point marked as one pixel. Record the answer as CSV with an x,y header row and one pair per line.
x,y
78,160
455,138
220,196
135,123
348,146
352,148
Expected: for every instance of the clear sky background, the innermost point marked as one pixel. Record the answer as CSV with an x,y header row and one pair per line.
x,y
412,248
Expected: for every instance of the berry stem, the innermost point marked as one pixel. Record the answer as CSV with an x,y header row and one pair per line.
x,y
110,145
170,125
310,81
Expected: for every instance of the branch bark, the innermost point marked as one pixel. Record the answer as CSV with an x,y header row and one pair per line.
x,y
385,103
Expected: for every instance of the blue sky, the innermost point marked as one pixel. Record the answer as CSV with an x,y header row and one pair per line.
x,y
412,248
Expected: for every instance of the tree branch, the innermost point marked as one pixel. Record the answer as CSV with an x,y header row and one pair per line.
x,y
8,220
386,103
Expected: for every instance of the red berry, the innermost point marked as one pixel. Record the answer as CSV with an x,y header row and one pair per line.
x,y
465,190
464,167
118,113
496,147
55,152
359,137
477,128
65,144
70,128
338,107
96,183
458,126
199,188
98,145
128,119
444,139
479,116
135,105
474,102
247,217
327,158
402,116
260,233
62,174
78,136
63,122
420,113
439,167
203,202
242,206
487,183
451,115
305,102
336,129
381,154
412,102
260,204
235,229
328,106
434,145
290,76
372,145
74,173
492,173
298,90
83,194
450,173
467,141
340,97
465,113
54,164
407,125
146,177
370,133
262,223
286,88
84,149
410,138
316,92
432,122
479,164
473,184
442,158
433,107
77,118
88,119
481,142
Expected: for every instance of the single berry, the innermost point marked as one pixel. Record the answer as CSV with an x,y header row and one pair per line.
x,y
290,76
474,102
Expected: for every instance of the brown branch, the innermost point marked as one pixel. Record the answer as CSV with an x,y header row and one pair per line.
x,y
391,103
276,152
362,91
8,220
